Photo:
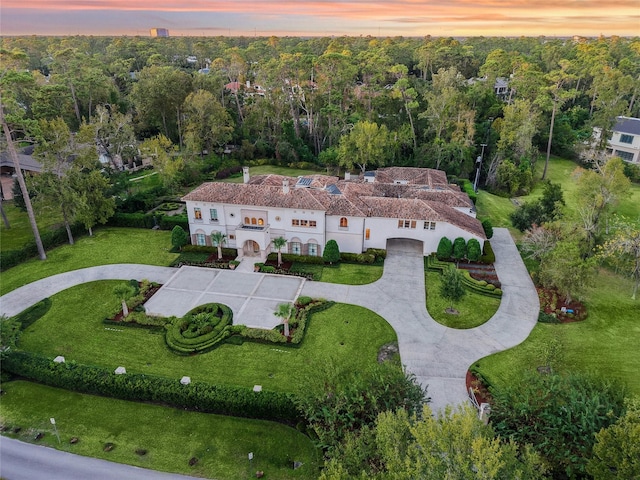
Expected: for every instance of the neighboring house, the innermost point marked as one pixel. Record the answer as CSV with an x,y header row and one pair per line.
x,y
500,86
396,202
26,159
247,88
625,139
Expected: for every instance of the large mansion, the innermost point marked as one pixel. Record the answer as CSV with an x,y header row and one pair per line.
x,y
358,213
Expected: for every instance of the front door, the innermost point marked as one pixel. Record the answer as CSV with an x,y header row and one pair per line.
x,y
251,248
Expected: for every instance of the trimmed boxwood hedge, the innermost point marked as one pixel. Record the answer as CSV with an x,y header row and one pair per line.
x,y
290,258
50,239
199,396
220,330
477,286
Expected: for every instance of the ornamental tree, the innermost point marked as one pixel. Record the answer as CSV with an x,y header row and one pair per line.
x,y
331,252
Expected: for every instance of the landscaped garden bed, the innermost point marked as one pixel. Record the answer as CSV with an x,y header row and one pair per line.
x,y
554,308
481,272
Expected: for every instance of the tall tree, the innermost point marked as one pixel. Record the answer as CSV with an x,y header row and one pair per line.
x,y
207,124
114,135
164,158
11,62
622,249
556,94
598,192
158,97
407,94
218,239
452,445
366,144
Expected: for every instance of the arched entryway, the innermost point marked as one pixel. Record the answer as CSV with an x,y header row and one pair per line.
x,y
251,248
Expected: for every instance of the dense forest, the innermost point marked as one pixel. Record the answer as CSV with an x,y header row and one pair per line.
x,y
430,102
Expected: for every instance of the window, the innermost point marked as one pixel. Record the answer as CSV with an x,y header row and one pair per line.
x,y
295,248
200,239
626,138
254,221
312,223
367,233
402,223
626,156
429,225
344,223
295,223
247,221
232,237
197,213
213,214
312,249
260,221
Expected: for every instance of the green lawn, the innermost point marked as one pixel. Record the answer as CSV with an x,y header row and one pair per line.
x,y
107,246
474,309
275,169
170,436
343,273
605,344
73,328
20,232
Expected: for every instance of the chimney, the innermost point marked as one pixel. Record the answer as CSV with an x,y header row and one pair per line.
x,y
245,174
248,83
285,185
347,176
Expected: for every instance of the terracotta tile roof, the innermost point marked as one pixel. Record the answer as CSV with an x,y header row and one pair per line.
x,y
258,195
356,198
413,176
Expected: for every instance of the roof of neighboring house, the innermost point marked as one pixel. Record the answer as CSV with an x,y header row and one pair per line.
x,y
27,162
426,196
627,125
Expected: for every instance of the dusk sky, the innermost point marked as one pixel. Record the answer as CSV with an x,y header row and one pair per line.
x,y
320,18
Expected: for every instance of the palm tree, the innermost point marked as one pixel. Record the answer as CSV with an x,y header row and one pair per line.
x,y
218,238
285,311
124,291
279,243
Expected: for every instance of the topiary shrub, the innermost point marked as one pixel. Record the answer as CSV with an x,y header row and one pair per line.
x,y
179,237
445,249
487,227
202,329
488,256
474,252
331,252
459,248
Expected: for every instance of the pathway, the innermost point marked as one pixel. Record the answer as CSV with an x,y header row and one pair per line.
x,y
439,356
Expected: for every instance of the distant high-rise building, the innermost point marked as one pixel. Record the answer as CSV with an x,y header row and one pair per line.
x,y
159,32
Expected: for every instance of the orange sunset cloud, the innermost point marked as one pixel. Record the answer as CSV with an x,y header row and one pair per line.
x,y
299,17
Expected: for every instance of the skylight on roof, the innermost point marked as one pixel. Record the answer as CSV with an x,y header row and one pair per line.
x,y
333,189
303,182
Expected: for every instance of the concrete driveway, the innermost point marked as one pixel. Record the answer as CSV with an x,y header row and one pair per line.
x,y
439,356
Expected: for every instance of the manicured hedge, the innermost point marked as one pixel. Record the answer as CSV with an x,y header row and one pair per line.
x,y
143,220
221,319
50,239
366,258
467,186
488,256
478,286
290,258
200,396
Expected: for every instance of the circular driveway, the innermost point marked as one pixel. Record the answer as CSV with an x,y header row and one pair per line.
x,y
437,355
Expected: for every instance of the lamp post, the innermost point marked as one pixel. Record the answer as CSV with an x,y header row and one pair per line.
x,y
479,166
481,157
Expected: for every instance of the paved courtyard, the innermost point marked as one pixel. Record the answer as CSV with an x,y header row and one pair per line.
x,y
253,297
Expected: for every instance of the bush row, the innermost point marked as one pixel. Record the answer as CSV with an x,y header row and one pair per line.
x,y
144,220
226,252
478,286
290,258
299,323
357,257
467,187
200,396
50,239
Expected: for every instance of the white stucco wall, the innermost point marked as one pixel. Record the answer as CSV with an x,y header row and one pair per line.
x,y
349,238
